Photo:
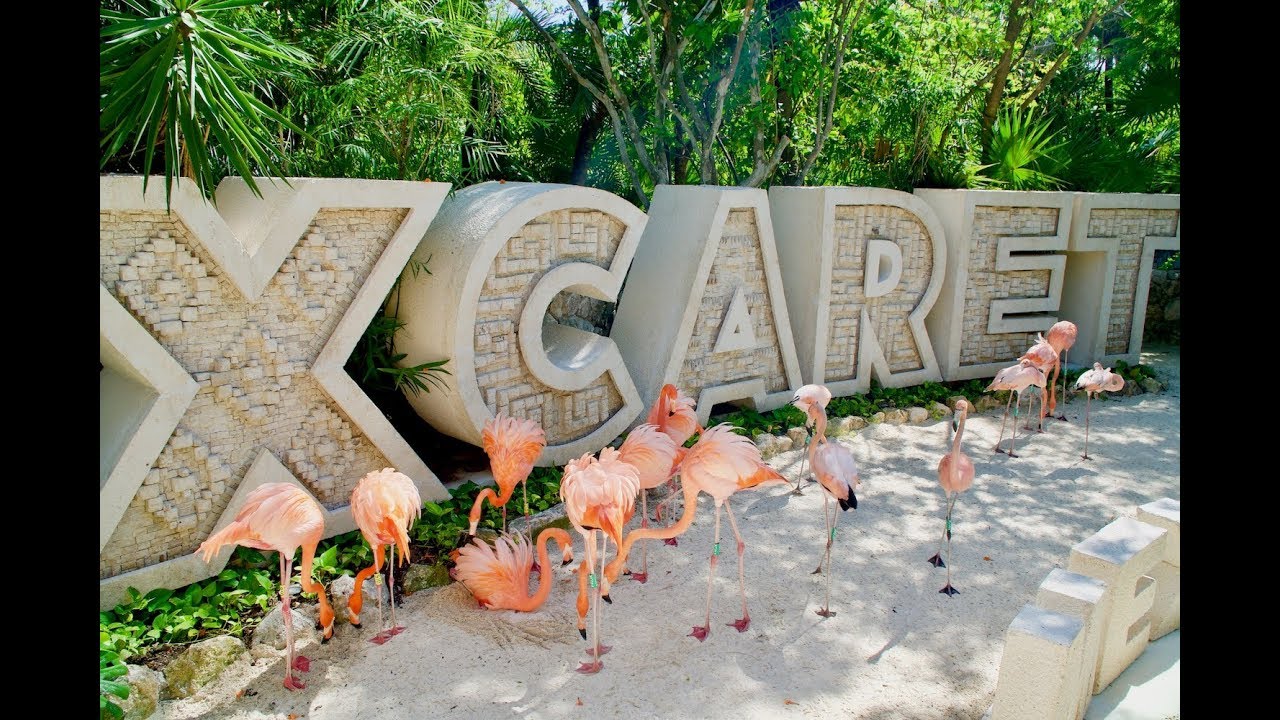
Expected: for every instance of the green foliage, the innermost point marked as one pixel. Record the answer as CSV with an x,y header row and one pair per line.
x,y
1021,147
173,73
1133,374
1170,261
111,667
373,361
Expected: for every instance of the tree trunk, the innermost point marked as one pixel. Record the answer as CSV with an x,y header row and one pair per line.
x,y
779,12
591,122
1013,28
472,131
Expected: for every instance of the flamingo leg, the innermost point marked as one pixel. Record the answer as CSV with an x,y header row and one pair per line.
x,y
583,603
1087,402
936,560
826,502
643,575
701,632
1063,416
803,459
286,575
504,518
743,622
658,510
596,650
391,595
1013,444
1002,422
826,610
948,589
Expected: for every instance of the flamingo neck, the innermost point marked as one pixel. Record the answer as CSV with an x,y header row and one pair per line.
x,y
544,576
686,519
819,432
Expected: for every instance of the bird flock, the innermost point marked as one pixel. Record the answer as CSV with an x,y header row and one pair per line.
x,y
600,493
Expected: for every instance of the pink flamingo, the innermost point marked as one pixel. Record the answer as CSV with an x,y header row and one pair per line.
x,y
384,504
653,454
955,475
812,401
598,495
498,576
1045,357
673,413
1095,381
280,517
837,473
513,446
721,463
1015,378
1061,336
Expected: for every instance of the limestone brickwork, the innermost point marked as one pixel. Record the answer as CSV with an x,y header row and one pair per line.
x,y
1127,229
549,240
250,359
854,226
986,283
738,263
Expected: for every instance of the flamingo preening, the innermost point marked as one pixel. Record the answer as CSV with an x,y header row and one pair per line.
x,y
673,413
513,446
498,576
812,401
384,504
653,454
1061,336
281,517
1015,378
955,475
1095,381
1045,357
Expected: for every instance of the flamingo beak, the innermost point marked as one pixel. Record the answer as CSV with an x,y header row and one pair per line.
x,y
566,562
955,424
583,633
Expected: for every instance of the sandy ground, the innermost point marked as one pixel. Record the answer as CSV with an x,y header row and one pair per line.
x,y
896,649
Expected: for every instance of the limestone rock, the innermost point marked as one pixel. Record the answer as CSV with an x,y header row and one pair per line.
x,y
987,402
144,692
781,444
199,664
917,415
340,591
797,435
878,417
951,401
939,410
896,416
852,423
270,632
767,444
421,577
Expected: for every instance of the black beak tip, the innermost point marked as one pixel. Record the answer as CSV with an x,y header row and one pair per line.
x,y
583,633
607,599
357,625
566,562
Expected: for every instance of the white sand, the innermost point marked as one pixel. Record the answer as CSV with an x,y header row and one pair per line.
x,y
896,649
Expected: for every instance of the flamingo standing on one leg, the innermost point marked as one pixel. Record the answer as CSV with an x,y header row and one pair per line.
x,y
498,576
1095,381
1015,378
674,414
812,401
653,454
384,504
1045,357
837,472
598,495
281,517
1061,336
513,446
721,463
955,475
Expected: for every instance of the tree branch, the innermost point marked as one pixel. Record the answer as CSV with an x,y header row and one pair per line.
x,y
824,127
1053,69
763,171
709,174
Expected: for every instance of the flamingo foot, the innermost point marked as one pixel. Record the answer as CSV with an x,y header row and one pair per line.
x,y
604,650
741,623
796,491
302,663
817,571
998,450
672,542
396,630
948,590
936,561
381,637
536,568
826,612
590,668
1012,454
700,632
1085,457
640,577
1062,418
293,683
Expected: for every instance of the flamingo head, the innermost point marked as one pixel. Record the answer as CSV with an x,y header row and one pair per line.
x,y
326,621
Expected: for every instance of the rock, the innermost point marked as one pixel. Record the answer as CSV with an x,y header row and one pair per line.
x,y
1172,311
1152,385
340,594
917,415
987,402
798,435
767,444
938,411
878,417
199,664
896,416
951,401
421,577
781,444
852,423
270,632
144,692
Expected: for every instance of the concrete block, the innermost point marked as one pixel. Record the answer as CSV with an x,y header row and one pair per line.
x,y
1037,680
1166,611
1080,596
1122,554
